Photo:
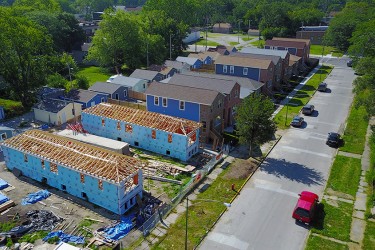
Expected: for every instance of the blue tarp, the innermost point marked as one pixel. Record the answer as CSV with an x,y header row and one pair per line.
x,y
119,230
3,199
65,237
3,184
35,197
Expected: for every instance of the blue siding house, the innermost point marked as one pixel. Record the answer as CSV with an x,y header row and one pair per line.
x,y
166,135
206,59
114,91
107,179
6,132
86,97
194,63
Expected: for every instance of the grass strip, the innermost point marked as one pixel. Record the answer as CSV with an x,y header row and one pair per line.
x,y
258,43
202,214
286,114
316,242
369,239
94,74
335,220
355,131
209,43
318,50
345,175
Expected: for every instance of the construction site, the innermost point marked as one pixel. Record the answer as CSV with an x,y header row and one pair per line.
x,y
87,186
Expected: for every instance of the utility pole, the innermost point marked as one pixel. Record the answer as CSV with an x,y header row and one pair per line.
x,y
147,54
239,24
170,46
71,87
248,36
206,32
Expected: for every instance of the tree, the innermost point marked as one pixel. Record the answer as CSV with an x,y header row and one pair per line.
x,y
25,55
118,41
253,121
47,5
82,82
56,81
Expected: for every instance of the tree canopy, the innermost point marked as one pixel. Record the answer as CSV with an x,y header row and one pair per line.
x,y
253,120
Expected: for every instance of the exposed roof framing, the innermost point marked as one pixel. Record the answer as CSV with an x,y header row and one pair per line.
x,y
143,118
102,163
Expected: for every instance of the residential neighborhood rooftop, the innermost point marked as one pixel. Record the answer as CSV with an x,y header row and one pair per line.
x,y
306,41
272,52
83,157
81,95
188,60
244,62
183,93
144,74
143,118
175,64
275,59
288,43
126,81
105,87
223,86
51,105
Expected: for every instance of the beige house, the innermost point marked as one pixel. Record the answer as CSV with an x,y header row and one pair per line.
x,y
56,112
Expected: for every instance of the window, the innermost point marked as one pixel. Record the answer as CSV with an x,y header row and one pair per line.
x,y
116,96
136,143
225,68
119,139
169,138
144,85
82,178
126,205
84,195
167,152
125,93
25,158
3,136
153,134
103,122
156,101
53,168
204,126
232,69
245,71
118,126
128,128
102,100
63,187
165,102
100,184
42,163
182,105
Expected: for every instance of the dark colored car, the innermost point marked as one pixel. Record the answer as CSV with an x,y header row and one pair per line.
x,y
333,139
322,87
297,121
349,63
308,109
305,208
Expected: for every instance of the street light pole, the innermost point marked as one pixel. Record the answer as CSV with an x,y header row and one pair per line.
x,y
187,215
239,24
71,87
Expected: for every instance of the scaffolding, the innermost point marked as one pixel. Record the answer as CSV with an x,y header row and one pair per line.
x,y
144,118
101,163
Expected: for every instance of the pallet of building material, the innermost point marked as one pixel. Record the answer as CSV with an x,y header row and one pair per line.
x,y
6,205
9,188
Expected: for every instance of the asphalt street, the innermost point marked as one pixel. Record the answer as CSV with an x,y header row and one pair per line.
x,y
261,216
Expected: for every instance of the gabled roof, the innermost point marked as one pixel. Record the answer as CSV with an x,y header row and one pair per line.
x,y
248,85
222,25
46,92
165,70
144,74
306,41
51,105
272,52
105,87
175,64
82,157
144,118
287,43
223,86
275,59
200,56
183,93
82,95
244,62
127,81
188,60
294,58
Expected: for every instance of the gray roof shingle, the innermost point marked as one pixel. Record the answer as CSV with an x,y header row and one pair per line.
x,y
81,95
144,74
105,87
272,52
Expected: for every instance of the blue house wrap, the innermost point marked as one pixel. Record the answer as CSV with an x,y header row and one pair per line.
x,y
158,133
102,177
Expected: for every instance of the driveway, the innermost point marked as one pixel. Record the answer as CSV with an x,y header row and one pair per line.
x,y
260,218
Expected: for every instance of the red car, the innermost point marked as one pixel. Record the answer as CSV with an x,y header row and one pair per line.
x,y
304,211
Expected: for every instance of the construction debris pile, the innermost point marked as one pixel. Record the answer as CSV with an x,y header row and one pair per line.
x,y
35,197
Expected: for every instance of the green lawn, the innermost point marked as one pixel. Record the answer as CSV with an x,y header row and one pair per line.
x,y
315,242
11,108
258,43
355,131
202,214
209,43
301,98
369,239
318,50
94,74
345,174
336,221
233,43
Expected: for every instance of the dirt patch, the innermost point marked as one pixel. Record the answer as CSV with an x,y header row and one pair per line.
x,y
241,169
332,192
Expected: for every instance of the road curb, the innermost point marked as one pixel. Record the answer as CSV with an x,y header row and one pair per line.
x,y
238,192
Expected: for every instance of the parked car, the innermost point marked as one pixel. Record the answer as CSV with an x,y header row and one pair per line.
x,y
333,139
308,109
322,87
305,208
349,63
297,121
